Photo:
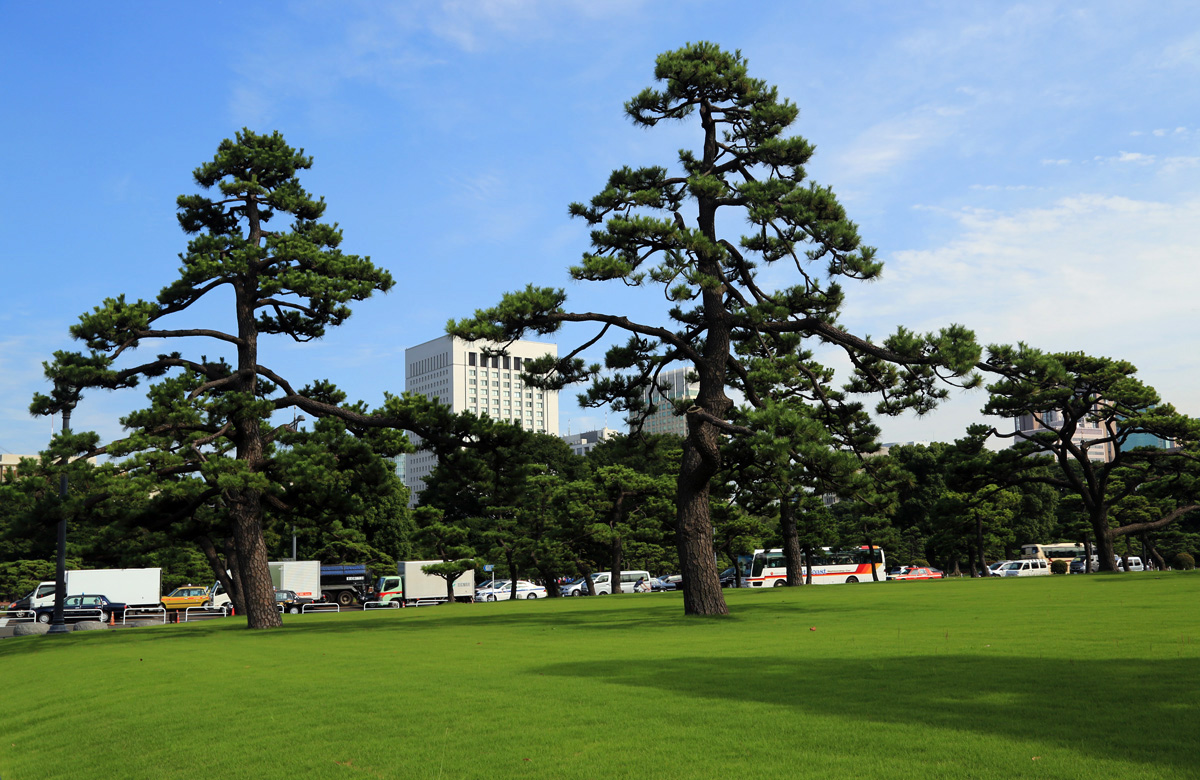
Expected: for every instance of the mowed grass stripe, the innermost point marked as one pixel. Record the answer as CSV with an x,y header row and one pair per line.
x,y
1044,677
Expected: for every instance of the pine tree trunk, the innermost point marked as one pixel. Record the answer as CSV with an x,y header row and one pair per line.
x,y
586,572
979,546
235,575
220,568
1106,551
1159,562
510,558
615,571
808,564
791,540
258,592
693,539
1087,552
871,560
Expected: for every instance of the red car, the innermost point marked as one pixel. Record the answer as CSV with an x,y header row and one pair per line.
x,y
915,573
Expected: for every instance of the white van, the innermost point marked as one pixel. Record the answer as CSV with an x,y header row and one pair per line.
x,y
603,584
1135,564
1030,568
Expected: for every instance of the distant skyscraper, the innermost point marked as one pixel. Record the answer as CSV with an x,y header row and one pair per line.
x,y
457,374
673,386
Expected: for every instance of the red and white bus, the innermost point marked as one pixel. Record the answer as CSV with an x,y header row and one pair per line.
x,y
829,566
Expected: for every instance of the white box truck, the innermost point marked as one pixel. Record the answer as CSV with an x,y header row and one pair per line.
x,y
303,577
414,587
135,587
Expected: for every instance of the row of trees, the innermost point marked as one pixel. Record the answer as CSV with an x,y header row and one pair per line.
x,y
211,459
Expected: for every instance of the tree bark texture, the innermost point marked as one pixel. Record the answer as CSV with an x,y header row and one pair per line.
x,y
791,540
258,591
701,584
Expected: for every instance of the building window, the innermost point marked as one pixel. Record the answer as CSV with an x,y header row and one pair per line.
x,y
507,362
470,358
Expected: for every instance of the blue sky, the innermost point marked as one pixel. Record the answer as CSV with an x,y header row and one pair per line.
x,y
1029,171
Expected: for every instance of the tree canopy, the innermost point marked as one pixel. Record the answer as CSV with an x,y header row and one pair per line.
x,y
286,280
655,227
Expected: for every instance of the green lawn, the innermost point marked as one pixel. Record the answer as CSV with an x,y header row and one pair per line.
x,y
1063,677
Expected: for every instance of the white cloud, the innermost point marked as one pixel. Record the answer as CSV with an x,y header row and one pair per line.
x,y
1184,53
1106,275
1136,157
896,140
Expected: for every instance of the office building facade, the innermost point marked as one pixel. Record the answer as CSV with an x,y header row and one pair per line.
x,y
459,375
672,387
583,443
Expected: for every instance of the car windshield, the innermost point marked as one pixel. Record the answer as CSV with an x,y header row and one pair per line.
x,y
1012,566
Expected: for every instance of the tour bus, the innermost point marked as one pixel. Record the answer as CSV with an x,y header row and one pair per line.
x,y
1063,551
829,566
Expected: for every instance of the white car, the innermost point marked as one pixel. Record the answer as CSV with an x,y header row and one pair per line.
x,y
489,588
525,590
1025,568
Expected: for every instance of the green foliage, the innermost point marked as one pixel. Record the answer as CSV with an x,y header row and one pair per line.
x,y
732,298
206,437
1183,561
1067,394
18,578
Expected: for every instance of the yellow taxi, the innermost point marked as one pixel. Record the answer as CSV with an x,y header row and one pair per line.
x,y
187,596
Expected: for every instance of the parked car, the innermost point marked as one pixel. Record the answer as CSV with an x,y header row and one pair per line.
x,y
291,603
84,607
914,573
188,596
1079,566
503,592
487,590
728,577
1026,568
661,583
1135,564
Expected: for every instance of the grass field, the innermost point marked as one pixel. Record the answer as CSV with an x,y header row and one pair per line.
x,y
1062,677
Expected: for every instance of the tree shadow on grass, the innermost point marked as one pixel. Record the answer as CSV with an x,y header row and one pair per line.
x,y
1145,711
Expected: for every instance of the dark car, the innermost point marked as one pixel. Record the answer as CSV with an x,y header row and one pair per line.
x,y
85,607
289,602
728,577
661,583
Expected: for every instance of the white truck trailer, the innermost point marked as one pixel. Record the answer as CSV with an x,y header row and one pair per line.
x,y
135,587
303,577
414,587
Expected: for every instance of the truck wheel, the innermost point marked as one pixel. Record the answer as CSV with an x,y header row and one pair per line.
x,y
326,598
850,580
345,598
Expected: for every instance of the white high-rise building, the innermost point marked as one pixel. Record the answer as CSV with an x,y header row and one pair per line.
x,y
457,374
672,386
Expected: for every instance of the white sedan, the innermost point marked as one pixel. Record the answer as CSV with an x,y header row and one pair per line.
x,y
525,590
